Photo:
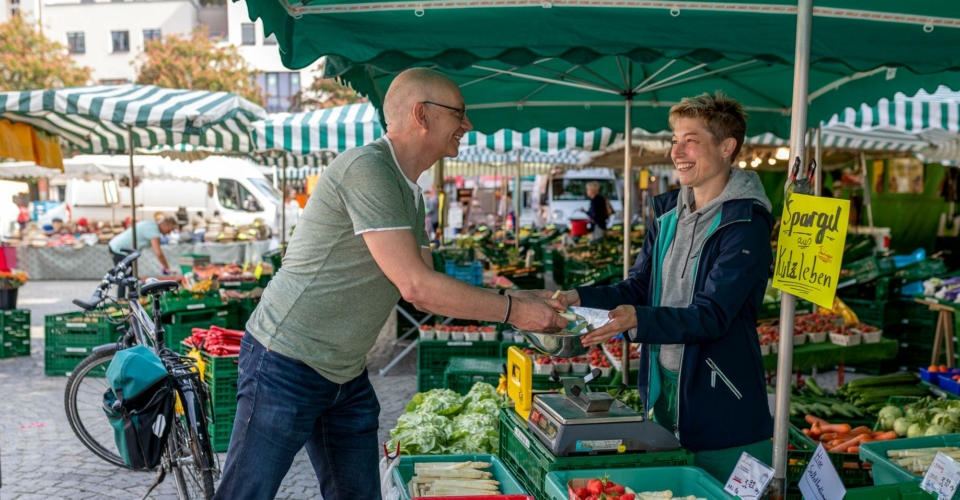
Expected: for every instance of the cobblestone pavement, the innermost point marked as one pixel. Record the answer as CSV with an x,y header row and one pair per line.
x,y
40,458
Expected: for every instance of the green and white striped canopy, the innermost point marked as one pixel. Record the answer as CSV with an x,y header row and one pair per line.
x,y
104,118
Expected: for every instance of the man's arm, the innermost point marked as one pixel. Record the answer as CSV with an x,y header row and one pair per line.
x,y
155,243
427,257
395,252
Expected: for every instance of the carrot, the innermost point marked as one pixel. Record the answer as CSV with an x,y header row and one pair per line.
x,y
886,436
860,430
877,433
812,420
840,428
853,449
836,442
806,431
856,441
816,430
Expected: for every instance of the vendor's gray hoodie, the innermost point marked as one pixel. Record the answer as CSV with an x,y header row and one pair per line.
x,y
677,283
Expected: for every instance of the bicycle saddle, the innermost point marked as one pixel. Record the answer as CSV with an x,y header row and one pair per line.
x,y
156,287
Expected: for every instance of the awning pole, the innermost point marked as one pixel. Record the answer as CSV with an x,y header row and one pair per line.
x,y
818,155
441,199
283,206
789,302
627,226
133,199
516,201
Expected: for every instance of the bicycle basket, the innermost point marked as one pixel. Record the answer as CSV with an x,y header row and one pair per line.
x,y
139,406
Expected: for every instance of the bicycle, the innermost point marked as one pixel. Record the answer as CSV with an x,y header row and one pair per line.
x,y
189,451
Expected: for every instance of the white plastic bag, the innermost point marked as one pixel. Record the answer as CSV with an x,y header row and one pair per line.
x,y
388,490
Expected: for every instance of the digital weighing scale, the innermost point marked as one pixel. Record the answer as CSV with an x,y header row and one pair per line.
x,y
580,422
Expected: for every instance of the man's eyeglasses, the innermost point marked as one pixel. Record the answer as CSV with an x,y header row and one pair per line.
x,y
461,112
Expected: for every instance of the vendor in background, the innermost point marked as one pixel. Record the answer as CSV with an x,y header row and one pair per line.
x,y
599,211
694,293
149,232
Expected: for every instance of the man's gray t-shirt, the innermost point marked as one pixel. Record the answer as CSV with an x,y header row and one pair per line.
x,y
329,300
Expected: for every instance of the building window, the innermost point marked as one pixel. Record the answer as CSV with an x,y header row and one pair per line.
x,y
249,34
121,41
279,89
150,36
270,40
14,8
76,42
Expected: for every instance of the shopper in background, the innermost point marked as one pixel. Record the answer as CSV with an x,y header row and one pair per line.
x,y
361,245
598,213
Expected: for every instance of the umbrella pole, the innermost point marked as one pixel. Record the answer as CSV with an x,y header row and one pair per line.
x,y
818,155
516,202
627,222
283,206
441,200
789,302
133,199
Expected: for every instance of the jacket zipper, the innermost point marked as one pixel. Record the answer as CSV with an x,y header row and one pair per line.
x,y
686,261
676,425
713,379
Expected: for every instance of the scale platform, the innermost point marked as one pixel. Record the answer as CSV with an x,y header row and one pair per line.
x,y
565,426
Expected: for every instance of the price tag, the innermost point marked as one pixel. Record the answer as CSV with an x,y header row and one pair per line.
x,y
942,477
749,479
820,480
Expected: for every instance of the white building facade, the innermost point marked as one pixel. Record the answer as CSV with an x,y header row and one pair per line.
x,y
109,36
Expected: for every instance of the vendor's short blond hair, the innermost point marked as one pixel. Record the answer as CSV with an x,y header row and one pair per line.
x,y
593,186
723,116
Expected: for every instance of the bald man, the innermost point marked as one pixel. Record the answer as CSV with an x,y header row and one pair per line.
x,y
360,245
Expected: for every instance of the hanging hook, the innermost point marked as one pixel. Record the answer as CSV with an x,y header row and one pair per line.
x,y
928,27
419,12
675,12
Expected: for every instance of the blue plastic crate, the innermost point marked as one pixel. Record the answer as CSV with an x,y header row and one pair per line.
x,y
471,273
948,384
934,377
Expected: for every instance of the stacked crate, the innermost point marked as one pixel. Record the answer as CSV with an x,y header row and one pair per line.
x,y
14,333
184,310
221,374
71,337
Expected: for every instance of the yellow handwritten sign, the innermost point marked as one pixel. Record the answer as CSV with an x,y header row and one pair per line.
x,y
810,248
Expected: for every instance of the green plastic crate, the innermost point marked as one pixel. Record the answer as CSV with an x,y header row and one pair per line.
x,y
220,433
16,315
275,258
175,334
887,472
903,491
62,361
867,269
231,312
245,310
434,355
184,300
462,373
428,380
241,286
879,313
852,471
404,471
76,330
682,481
14,347
922,270
531,461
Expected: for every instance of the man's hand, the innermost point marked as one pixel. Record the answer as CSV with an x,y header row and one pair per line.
x,y
559,301
624,318
536,315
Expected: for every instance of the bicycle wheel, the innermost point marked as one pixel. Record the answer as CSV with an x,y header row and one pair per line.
x,y
83,401
192,479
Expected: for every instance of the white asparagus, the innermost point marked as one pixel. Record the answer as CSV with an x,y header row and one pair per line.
x,y
473,485
442,492
459,474
919,451
655,495
431,480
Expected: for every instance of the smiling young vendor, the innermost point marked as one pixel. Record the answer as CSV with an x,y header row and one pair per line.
x,y
694,294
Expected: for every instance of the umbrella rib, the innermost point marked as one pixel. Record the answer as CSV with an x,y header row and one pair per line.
x,y
623,76
669,82
546,80
654,75
566,74
837,83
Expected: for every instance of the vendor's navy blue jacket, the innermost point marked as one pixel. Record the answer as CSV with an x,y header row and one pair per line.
x,y
722,405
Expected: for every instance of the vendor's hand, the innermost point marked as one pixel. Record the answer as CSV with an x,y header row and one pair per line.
x,y
533,314
624,318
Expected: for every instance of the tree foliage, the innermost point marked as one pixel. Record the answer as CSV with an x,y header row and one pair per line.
x,y
31,61
325,93
197,63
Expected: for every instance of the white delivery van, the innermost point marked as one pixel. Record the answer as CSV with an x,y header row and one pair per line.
x,y
567,195
232,187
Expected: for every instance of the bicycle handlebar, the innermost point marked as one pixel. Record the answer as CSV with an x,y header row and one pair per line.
x,y
111,277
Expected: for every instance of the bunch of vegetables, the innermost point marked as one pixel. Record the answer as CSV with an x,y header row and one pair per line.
x,y
843,438
602,488
943,289
871,394
442,422
444,479
813,400
926,417
629,397
918,460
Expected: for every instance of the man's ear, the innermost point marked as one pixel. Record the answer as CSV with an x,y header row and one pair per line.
x,y
420,115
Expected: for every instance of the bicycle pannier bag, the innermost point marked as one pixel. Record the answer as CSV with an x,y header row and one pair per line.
x,y
139,406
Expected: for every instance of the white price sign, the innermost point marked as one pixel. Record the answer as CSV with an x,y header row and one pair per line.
x,y
942,477
820,480
749,479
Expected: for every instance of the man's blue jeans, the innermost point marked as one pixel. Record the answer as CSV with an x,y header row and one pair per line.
x,y
284,405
